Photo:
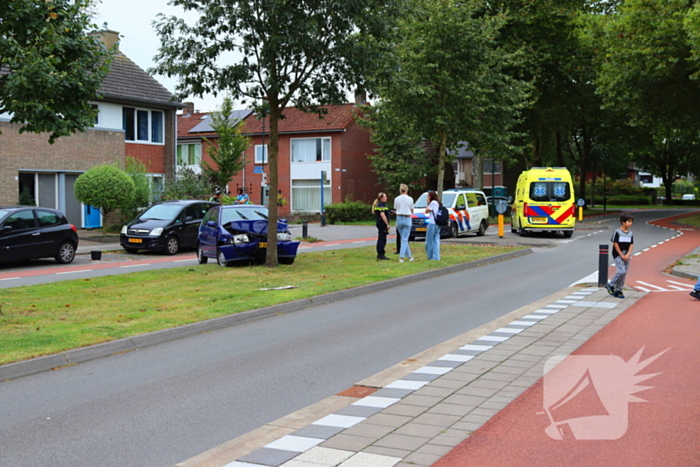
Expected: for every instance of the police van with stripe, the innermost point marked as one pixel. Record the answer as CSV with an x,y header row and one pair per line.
x,y
544,202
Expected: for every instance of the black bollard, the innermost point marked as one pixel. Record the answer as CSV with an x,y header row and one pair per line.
x,y
603,265
304,229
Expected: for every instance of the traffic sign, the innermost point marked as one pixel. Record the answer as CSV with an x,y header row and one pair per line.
x,y
501,206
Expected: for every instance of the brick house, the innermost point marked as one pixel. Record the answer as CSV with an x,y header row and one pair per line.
x,y
308,145
137,118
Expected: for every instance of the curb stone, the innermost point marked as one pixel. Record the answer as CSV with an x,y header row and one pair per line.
x,y
84,354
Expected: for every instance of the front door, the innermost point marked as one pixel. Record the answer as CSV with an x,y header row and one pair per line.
x,y
92,217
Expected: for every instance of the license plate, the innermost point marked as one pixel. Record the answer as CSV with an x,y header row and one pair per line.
x,y
538,220
135,240
263,244
421,229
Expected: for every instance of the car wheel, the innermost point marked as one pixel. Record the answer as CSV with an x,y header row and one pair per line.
x,y
286,260
221,259
482,229
454,230
200,255
568,234
172,246
522,232
66,253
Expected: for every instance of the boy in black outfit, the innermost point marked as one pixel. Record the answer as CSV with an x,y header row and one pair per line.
x,y
623,244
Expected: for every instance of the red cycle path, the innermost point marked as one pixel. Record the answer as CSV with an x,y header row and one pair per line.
x,y
664,431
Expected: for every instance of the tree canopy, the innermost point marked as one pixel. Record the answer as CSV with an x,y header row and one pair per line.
x,y
447,84
647,71
227,152
50,68
303,53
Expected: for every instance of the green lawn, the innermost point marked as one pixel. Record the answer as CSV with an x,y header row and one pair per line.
x,y
50,318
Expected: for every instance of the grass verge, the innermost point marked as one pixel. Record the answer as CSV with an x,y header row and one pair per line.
x,y
49,318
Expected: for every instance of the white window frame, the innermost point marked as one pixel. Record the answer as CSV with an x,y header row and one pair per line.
x,y
96,122
325,155
186,162
310,184
261,154
149,138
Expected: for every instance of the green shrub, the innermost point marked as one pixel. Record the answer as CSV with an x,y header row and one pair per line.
x,y
348,212
105,187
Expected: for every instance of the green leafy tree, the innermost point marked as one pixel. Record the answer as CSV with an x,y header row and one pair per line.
x,y
142,190
105,187
50,68
448,81
542,34
228,152
187,185
647,72
291,53
400,156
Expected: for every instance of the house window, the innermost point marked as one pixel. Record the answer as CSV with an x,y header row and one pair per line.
x,y
311,150
261,154
155,182
96,107
189,154
306,195
492,167
142,125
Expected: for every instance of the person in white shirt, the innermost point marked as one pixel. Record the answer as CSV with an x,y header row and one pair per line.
x,y
403,205
432,236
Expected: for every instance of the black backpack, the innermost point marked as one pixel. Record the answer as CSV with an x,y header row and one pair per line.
x,y
443,216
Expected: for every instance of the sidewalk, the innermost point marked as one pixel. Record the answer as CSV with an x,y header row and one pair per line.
x,y
478,399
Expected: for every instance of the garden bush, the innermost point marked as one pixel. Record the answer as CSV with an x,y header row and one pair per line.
x,y
349,211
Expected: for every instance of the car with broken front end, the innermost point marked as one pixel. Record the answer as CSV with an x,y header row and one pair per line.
x,y
233,233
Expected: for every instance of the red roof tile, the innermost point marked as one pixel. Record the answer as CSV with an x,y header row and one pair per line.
x,y
295,121
186,123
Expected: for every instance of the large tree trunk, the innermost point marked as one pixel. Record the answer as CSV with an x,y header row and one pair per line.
x,y
441,164
271,258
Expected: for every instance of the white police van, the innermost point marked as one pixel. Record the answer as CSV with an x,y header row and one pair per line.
x,y
469,213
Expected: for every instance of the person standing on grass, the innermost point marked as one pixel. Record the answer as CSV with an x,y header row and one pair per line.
x,y
623,245
403,204
432,236
381,214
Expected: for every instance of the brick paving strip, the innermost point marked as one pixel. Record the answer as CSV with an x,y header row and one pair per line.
x,y
421,415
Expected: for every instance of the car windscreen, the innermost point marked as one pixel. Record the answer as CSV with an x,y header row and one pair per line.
x,y
243,214
447,200
161,212
550,191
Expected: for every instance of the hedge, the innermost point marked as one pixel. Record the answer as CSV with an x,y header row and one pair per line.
x,y
348,212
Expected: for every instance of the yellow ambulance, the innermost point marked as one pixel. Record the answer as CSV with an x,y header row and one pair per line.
x,y
544,202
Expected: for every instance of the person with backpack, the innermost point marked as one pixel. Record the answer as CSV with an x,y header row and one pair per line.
x,y
432,236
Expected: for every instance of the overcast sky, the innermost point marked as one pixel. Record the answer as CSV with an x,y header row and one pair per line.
x,y
133,20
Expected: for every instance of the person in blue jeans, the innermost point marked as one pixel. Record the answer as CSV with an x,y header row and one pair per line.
x,y
403,205
432,236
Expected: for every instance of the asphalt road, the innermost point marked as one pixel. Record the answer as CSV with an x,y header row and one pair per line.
x,y
164,404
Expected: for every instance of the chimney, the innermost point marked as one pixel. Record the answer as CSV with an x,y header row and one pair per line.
x,y
109,38
189,108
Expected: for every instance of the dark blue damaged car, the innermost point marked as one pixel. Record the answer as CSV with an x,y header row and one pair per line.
x,y
239,233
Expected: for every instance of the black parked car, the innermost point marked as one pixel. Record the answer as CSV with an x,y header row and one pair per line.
x,y
167,226
33,232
